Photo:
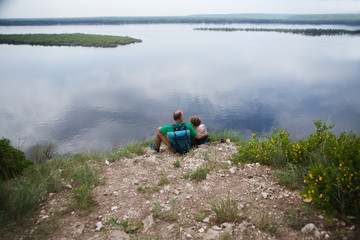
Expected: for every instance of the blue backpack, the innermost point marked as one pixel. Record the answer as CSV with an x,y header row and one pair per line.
x,y
181,136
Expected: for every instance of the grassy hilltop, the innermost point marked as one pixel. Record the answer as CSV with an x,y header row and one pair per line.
x,y
219,190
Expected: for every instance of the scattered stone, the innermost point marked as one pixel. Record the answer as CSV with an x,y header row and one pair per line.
x,y
216,228
118,235
211,234
232,170
206,220
148,223
228,227
99,226
79,228
107,162
201,230
264,195
311,229
113,208
68,186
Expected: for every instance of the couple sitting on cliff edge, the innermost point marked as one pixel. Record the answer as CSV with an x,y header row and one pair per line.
x,y
197,132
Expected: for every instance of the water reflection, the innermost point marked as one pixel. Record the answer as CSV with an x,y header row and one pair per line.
x,y
92,99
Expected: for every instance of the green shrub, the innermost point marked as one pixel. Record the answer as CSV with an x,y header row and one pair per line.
x,y
41,153
19,197
12,161
328,165
83,199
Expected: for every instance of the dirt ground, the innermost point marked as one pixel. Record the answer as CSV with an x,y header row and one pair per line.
x,y
151,191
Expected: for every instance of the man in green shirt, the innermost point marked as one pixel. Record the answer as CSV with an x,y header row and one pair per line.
x,y
161,135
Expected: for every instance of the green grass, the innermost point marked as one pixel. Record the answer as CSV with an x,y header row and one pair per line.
x,y
225,210
269,223
199,174
73,39
291,176
20,197
233,135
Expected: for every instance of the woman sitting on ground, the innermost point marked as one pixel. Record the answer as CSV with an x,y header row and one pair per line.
x,y
200,128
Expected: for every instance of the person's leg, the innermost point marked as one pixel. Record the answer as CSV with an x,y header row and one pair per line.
x,y
162,138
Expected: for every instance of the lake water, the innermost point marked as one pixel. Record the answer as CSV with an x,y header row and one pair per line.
x,y
92,99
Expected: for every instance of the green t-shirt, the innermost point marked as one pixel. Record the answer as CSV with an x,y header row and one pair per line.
x,y
169,128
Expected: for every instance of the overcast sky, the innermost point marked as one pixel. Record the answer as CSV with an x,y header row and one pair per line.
x,y
90,8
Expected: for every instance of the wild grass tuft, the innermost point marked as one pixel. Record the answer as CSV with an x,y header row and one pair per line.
x,y
83,199
290,176
176,163
163,181
199,174
269,223
19,198
225,210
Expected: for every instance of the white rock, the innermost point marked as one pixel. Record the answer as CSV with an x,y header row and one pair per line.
x,y
189,186
113,208
118,235
211,235
311,229
217,228
201,230
79,228
107,162
167,188
264,195
148,223
232,170
99,226
206,220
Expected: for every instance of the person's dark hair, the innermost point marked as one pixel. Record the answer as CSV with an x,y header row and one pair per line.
x,y
177,115
195,120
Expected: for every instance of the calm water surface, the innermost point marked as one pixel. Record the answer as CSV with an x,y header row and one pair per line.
x,y
94,99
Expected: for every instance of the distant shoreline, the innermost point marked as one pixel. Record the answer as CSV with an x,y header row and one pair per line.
x,y
73,40
317,19
306,32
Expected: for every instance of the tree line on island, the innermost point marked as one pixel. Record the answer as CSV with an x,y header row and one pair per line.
x,y
74,39
337,19
307,32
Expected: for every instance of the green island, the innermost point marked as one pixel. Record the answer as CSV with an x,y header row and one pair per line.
x,y
72,39
307,31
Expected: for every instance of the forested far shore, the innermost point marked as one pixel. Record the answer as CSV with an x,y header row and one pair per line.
x,y
333,19
307,32
74,39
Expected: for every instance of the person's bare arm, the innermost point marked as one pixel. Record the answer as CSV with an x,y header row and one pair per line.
x,y
201,135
